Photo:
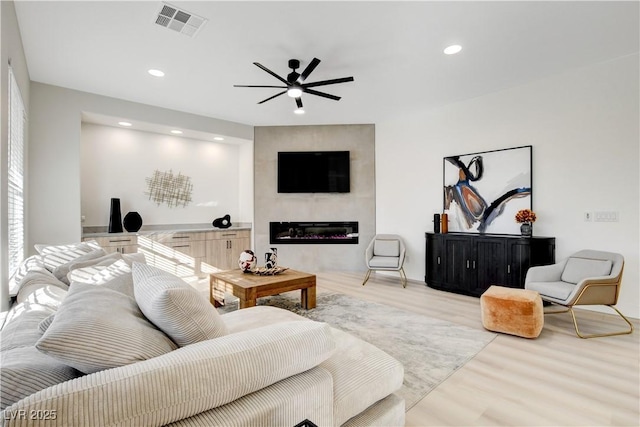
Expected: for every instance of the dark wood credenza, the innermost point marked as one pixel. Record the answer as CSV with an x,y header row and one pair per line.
x,y
469,263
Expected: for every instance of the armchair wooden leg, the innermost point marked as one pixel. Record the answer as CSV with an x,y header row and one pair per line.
x,y
366,277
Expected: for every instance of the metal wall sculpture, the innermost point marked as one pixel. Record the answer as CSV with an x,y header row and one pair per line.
x,y
165,187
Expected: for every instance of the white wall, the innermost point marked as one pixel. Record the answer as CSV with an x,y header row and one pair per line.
x,y
584,129
54,156
116,162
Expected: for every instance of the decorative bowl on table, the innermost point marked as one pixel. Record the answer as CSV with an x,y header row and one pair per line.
x,y
264,271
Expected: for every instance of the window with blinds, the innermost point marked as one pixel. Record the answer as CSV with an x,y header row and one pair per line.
x,y
16,176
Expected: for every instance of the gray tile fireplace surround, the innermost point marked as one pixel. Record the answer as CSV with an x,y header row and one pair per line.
x,y
358,205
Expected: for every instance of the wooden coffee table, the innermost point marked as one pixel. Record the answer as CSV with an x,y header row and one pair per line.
x,y
249,287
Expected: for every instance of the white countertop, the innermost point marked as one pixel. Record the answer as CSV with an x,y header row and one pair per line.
x,y
101,231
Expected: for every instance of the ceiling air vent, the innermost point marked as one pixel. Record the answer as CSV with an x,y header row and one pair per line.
x,y
179,20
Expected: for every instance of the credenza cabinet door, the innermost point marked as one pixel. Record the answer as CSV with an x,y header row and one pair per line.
x,y
470,263
224,248
459,266
434,273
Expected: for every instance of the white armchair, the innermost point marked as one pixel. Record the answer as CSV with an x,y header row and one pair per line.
x,y
587,277
386,252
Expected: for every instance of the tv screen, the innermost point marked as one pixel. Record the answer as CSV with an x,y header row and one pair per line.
x,y
314,172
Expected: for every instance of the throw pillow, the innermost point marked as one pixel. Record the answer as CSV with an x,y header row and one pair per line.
x,y
54,256
25,370
97,328
578,269
386,248
62,270
175,306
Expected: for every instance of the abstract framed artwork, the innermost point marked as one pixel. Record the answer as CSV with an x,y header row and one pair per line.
x,y
483,191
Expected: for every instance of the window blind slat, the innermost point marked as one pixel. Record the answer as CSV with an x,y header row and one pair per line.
x,y
15,174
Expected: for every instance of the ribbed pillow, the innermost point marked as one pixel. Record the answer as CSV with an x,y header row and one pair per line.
x,y
98,328
55,255
578,269
386,248
62,270
174,306
25,370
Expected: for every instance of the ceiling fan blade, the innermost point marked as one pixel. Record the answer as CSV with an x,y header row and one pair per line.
x,y
328,82
312,66
299,102
322,94
271,72
280,87
271,97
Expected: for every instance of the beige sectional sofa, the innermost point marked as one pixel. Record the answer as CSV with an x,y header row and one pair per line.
x,y
128,344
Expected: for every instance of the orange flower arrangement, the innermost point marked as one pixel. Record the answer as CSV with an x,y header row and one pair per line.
x,y
526,215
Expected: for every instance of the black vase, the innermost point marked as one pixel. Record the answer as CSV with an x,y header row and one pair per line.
x,y
526,229
115,217
132,222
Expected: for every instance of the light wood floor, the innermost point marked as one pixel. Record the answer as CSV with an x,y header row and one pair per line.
x,y
557,379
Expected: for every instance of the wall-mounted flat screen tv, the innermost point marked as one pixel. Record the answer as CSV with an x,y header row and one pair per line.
x,y
314,172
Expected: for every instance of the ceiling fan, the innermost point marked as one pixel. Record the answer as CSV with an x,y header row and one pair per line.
x,y
295,84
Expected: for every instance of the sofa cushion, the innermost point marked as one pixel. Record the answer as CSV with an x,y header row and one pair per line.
x,y
578,269
21,325
384,262
559,290
55,255
174,306
116,276
386,248
362,375
187,381
97,328
25,370
62,270
28,265
103,269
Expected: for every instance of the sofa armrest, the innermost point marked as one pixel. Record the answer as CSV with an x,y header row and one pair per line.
x,y
186,381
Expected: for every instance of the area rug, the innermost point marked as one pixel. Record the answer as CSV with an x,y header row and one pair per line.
x,y
430,349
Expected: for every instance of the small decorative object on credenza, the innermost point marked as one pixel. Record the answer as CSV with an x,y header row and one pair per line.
x,y
444,228
224,222
436,223
526,217
115,217
247,261
271,258
132,222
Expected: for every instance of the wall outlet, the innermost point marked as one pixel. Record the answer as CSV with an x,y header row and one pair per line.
x,y
605,216
588,216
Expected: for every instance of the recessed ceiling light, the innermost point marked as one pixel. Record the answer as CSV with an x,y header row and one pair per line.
x,y
126,124
218,138
176,132
453,49
156,73
298,111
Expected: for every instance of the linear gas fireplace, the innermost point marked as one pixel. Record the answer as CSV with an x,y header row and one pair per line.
x,y
314,232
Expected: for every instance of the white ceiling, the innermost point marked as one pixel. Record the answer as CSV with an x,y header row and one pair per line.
x,y
393,50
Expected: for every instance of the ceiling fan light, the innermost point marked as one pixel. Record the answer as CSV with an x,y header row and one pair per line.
x,y
298,111
294,92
